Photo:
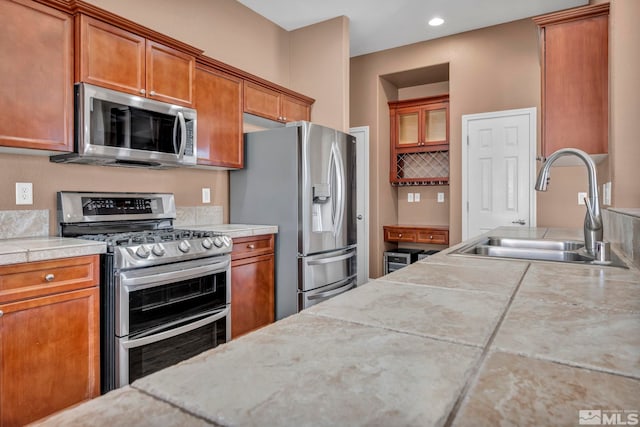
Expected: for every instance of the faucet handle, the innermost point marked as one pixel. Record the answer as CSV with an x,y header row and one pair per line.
x,y
603,252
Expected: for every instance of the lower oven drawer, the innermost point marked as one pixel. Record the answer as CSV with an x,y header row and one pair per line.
x,y
144,355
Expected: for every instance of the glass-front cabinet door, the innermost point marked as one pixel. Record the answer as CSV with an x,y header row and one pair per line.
x,y
435,125
408,127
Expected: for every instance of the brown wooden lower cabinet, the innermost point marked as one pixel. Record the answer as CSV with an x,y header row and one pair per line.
x,y
49,337
252,283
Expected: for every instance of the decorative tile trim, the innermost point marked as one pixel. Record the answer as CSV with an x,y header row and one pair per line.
x,y
24,223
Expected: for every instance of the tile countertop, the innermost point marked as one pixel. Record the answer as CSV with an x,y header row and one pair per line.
x,y
29,249
237,230
450,340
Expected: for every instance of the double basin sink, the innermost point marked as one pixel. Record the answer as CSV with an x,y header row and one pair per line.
x,y
567,251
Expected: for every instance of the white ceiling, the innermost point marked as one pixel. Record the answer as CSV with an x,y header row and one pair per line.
x,y
383,24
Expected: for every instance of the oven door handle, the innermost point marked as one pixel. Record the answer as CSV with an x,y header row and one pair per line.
x,y
169,276
150,339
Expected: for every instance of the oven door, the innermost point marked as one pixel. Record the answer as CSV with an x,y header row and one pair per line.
x,y
168,313
147,298
158,349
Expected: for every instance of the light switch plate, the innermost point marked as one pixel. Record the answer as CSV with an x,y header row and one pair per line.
x,y
416,197
24,193
440,197
410,197
206,195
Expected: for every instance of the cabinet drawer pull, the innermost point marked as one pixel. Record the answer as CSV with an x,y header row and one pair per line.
x,y
1,313
49,277
399,234
251,246
431,237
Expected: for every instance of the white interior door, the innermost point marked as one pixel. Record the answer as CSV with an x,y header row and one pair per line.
x,y
362,184
498,170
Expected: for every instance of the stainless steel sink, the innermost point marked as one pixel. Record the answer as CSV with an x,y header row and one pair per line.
x,y
568,251
556,245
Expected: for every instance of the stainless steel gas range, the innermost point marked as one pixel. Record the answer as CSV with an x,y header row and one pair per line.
x,y
165,293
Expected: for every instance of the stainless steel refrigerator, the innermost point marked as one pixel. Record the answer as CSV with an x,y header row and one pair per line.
x,y
302,177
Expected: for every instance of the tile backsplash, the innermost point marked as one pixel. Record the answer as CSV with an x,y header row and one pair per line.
x,y
24,223
35,223
198,215
622,229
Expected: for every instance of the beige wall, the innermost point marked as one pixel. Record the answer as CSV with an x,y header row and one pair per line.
x,y
320,69
48,178
624,142
231,33
490,69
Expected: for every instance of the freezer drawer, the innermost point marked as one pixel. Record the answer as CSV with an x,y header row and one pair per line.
x,y
313,297
317,271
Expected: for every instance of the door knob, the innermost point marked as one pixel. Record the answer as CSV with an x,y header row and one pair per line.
x,y
519,221
359,217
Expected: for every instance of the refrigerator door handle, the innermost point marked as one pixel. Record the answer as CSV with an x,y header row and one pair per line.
x,y
332,259
339,188
335,291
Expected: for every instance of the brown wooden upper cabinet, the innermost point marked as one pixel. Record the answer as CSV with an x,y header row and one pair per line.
x,y
575,79
419,141
420,122
120,60
274,105
219,105
36,65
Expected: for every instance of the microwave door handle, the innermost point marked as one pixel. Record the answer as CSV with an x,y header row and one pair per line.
x,y
183,134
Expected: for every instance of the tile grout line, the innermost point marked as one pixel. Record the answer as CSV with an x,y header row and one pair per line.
x,y
398,331
179,408
483,356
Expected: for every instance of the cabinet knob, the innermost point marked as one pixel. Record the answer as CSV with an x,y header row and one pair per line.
x,y
399,234
49,277
142,91
431,237
152,93
1,313
251,246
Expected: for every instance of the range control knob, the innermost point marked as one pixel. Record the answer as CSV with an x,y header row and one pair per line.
x,y
226,240
142,252
207,243
184,246
158,250
218,242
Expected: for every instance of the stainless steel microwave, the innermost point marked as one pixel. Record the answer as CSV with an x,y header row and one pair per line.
x,y
118,129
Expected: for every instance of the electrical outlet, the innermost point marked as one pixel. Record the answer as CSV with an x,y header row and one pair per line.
x,y
410,197
440,197
206,195
416,197
581,196
24,193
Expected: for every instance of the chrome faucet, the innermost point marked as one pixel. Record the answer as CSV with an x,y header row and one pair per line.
x,y
593,217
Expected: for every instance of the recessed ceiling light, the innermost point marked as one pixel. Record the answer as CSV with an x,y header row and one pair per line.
x,y
434,22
